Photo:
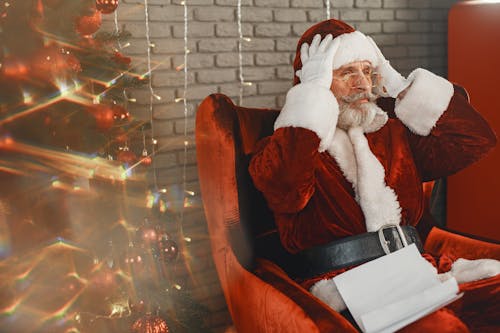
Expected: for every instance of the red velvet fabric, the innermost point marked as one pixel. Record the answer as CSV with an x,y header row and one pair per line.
x,y
313,203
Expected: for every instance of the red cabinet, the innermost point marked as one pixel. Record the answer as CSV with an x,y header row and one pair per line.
x,y
473,195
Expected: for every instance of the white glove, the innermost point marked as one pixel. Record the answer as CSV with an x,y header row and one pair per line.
x,y
317,61
391,81
465,270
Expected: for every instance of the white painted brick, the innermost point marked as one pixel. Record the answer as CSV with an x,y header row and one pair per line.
x,y
259,73
353,14
214,14
268,102
342,3
197,91
433,14
419,3
163,127
413,39
441,27
285,72
368,3
272,29
232,3
233,89
156,29
137,46
318,15
392,52
217,45
142,95
195,60
170,111
232,59
299,28
287,44
271,3
216,75
171,45
130,12
419,26
384,39
171,79
258,44
159,62
419,51
307,3
290,15
231,30
280,101
151,2
256,15
185,124
443,3
269,59
407,14
194,2
195,29
274,87
166,14
166,160
395,3
381,14
392,27
369,27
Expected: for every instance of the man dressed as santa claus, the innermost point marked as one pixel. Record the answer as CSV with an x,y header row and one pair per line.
x,y
350,150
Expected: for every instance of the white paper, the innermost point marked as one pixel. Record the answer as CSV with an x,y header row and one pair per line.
x,y
392,291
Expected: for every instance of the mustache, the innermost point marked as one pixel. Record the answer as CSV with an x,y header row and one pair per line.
x,y
354,97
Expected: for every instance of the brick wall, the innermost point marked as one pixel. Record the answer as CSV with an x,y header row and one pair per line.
x,y
411,33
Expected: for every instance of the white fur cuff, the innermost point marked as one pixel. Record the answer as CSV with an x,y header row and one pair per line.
x,y
312,107
326,290
465,270
425,101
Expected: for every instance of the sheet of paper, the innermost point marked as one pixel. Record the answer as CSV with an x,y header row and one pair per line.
x,y
402,280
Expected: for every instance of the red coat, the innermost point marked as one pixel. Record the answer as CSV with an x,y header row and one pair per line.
x,y
312,201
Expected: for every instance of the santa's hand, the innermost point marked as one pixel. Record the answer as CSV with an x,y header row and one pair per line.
x,y
464,270
317,61
392,83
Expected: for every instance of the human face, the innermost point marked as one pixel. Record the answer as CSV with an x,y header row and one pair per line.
x,y
353,78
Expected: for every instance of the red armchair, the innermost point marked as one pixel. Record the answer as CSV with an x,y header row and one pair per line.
x,y
260,296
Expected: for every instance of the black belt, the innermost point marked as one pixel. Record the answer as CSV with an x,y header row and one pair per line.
x,y
353,250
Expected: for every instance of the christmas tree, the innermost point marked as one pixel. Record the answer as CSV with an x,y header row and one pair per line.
x,y
85,246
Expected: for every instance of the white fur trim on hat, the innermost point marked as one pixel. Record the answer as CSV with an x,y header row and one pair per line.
x,y
425,101
354,46
312,107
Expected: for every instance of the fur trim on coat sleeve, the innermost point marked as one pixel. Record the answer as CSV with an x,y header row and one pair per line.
x,y
312,107
424,102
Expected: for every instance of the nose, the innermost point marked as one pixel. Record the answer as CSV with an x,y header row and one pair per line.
x,y
362,83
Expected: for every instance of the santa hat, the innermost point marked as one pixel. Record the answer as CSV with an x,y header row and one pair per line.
x,y
354,45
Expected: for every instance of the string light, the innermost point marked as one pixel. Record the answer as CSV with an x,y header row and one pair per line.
x,y
327,2
240,55
184,100
152,93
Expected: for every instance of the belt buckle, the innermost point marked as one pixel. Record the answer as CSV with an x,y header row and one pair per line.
x,y
384,242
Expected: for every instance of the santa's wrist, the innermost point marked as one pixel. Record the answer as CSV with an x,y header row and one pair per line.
x,y
313,107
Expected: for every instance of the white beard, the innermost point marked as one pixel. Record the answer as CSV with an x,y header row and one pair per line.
x,y
361,116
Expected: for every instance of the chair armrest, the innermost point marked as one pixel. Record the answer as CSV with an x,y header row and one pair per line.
x,y
325,318
442,241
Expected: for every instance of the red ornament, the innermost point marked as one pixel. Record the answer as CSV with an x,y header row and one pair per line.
x,y
150,324
87,25
106,6
127,157
146,160
104,116
14,68
54,61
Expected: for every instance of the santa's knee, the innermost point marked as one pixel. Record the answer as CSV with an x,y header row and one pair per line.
x,y
442,321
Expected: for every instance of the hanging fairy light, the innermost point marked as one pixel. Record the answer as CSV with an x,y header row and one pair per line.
x,y
240,55
327,3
